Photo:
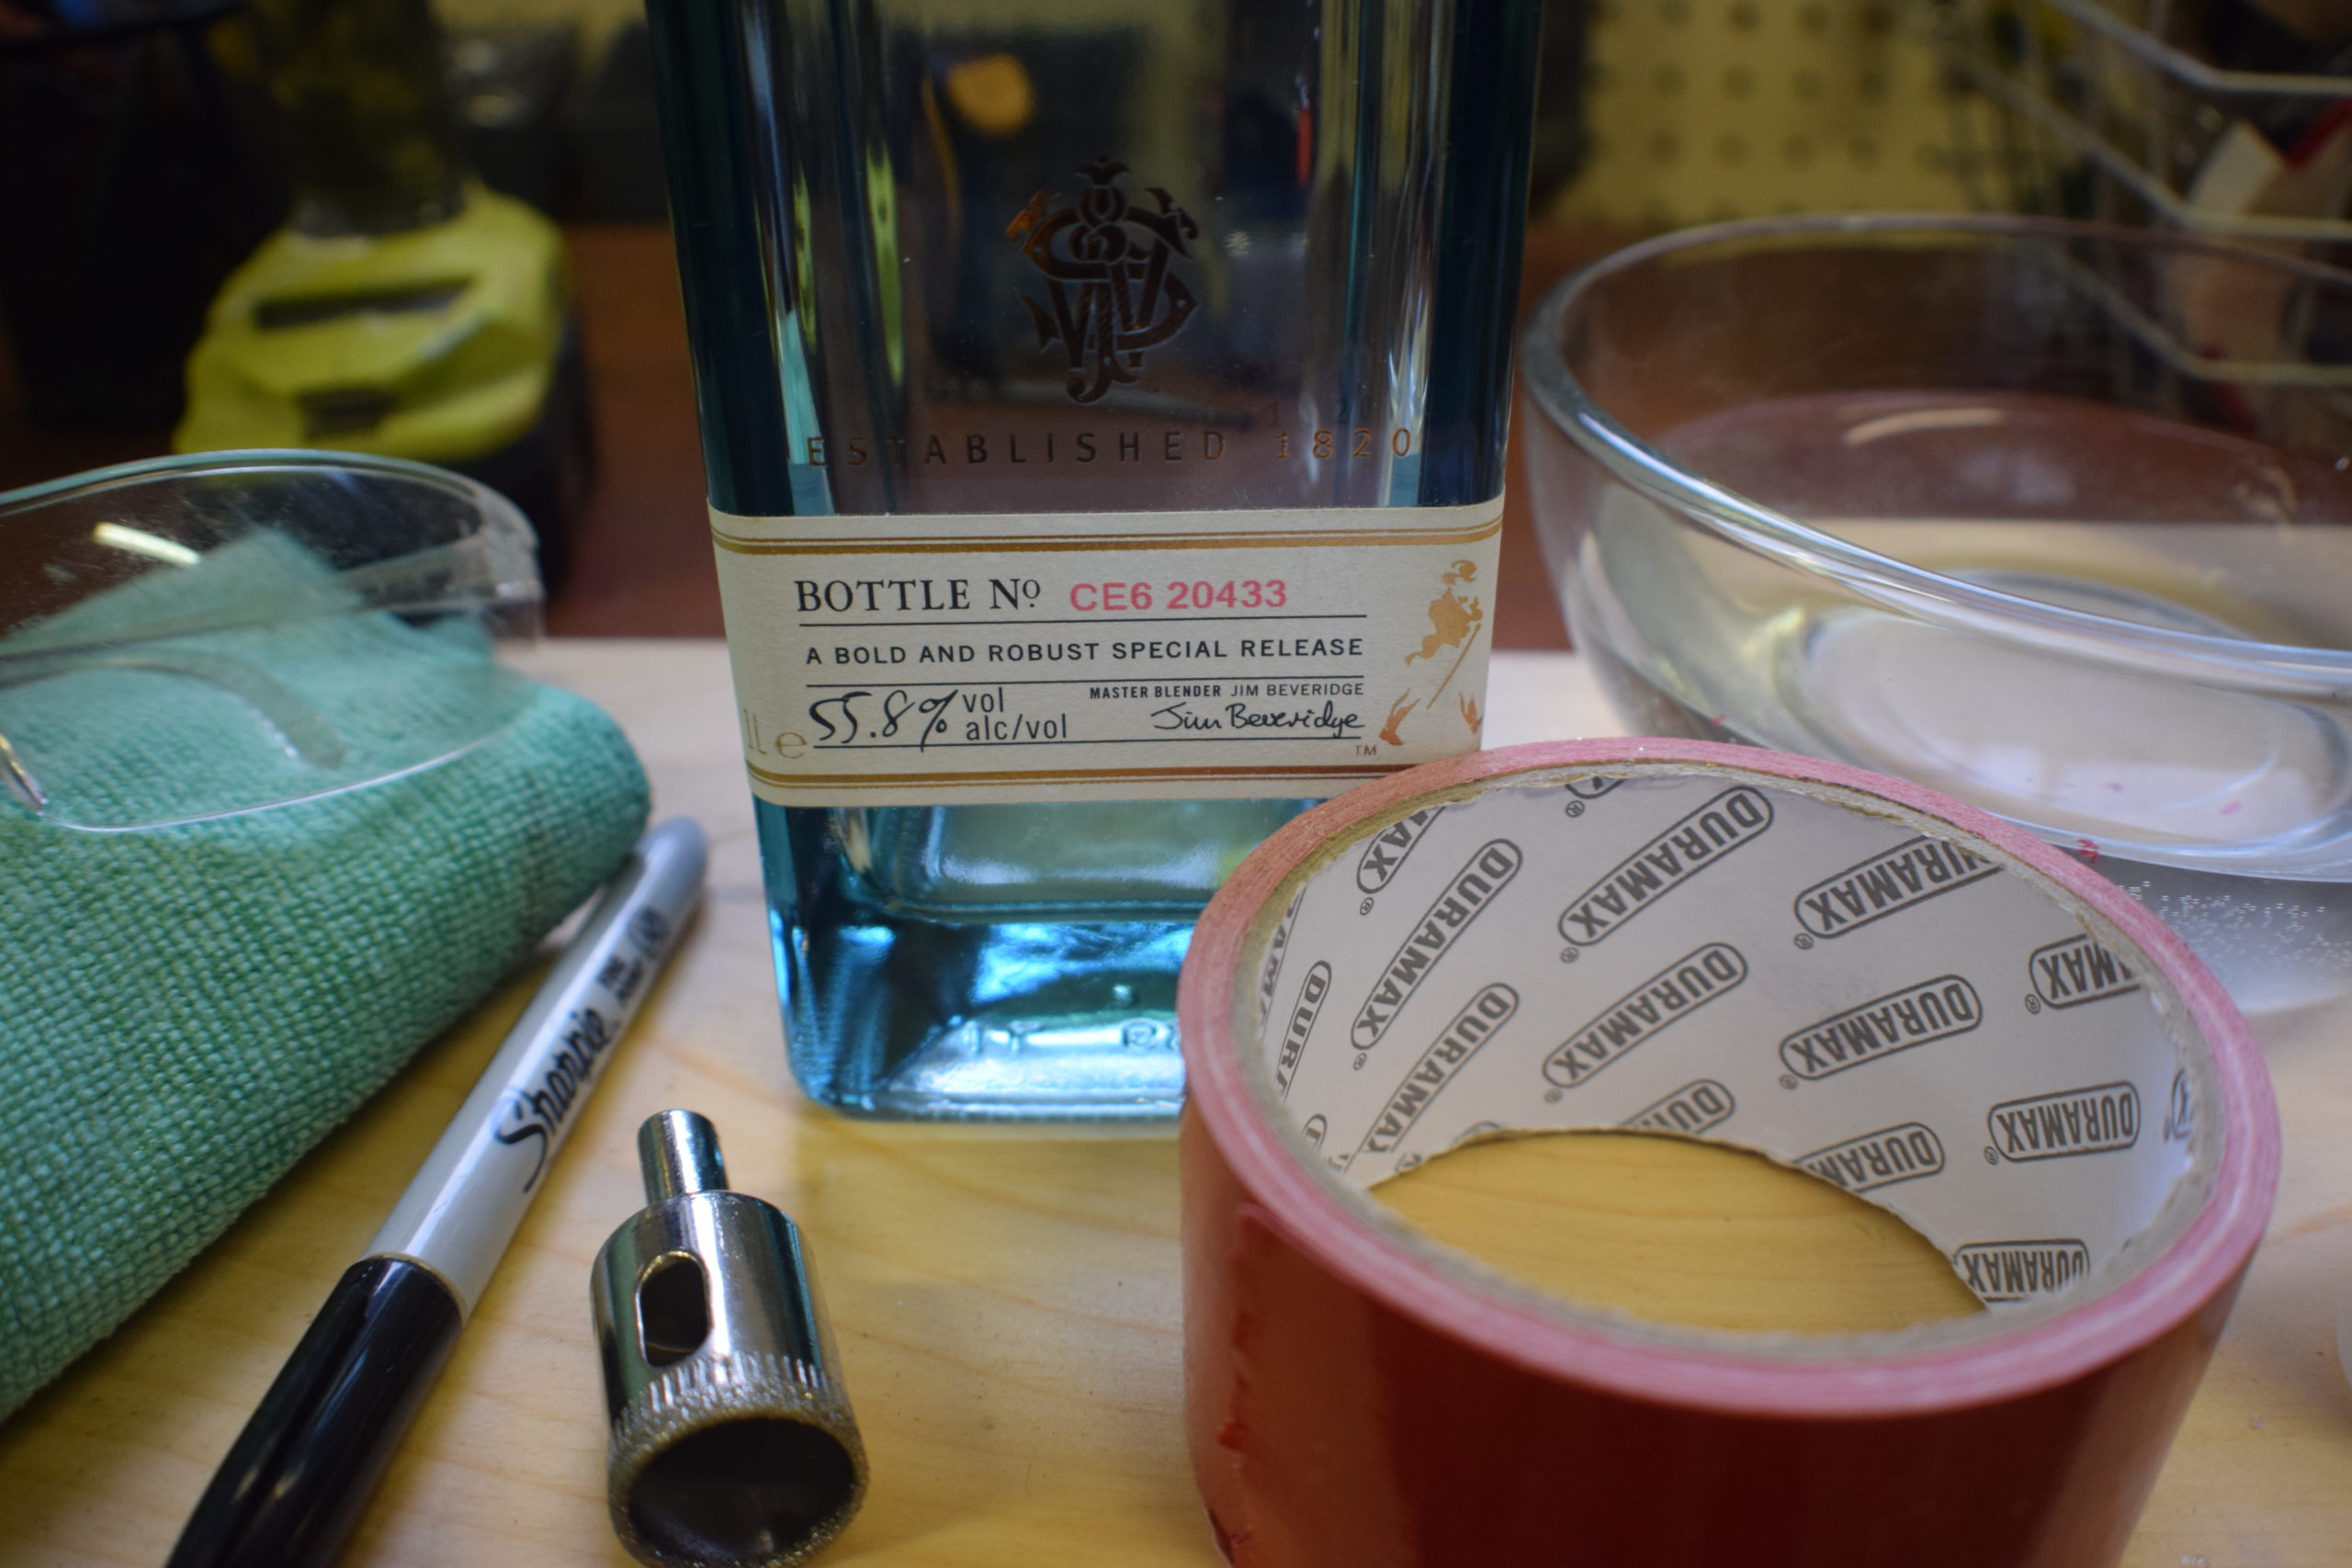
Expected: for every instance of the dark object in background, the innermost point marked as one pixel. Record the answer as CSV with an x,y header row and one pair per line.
x,y
404,311
371,143
616,135
550,470
2205,116
2301,37
507,85
1560,141
2274,39
136,170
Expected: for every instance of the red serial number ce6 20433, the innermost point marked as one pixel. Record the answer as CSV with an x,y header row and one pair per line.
x,y
1115,598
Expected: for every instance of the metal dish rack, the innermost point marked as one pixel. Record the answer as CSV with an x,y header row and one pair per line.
x,y
2103,117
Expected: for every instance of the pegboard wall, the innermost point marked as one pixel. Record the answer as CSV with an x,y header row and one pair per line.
x,y
1699,110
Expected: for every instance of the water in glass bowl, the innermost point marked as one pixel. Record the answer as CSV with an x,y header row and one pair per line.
x,y
2220,796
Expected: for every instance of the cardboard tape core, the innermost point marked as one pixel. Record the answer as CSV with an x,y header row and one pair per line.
x,y
1826,978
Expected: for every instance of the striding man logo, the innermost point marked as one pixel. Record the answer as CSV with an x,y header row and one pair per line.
x,y
1110,294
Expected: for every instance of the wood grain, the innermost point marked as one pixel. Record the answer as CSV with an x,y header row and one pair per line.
x,y
1007,1306
1678,1230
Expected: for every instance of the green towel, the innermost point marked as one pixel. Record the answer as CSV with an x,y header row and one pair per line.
x,y
186,1010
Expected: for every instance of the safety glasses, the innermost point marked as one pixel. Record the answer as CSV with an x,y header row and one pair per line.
x,y
199,637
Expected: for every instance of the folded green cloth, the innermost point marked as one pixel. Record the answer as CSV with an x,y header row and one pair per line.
x,y
186,1010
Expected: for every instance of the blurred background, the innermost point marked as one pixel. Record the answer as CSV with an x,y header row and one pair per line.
x,y
301,169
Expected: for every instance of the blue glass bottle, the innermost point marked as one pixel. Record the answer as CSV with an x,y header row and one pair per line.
x,y
859,189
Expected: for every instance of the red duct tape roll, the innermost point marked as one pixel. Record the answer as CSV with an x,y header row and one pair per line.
x,y
1358,1398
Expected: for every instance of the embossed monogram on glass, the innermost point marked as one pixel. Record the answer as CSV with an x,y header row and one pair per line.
x,y
1111,288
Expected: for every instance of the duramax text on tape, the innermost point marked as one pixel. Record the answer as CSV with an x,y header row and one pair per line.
x,y
1848,973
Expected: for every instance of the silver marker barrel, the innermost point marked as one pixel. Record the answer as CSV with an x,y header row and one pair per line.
x,y
295,1480
461,1209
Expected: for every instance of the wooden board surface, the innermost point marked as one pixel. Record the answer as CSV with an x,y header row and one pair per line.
x,y
1007,1306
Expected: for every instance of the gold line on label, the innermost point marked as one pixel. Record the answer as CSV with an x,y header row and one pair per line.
x,y
1030,543
879,781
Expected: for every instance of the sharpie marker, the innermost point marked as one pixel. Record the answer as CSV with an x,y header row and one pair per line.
x,y
294,1483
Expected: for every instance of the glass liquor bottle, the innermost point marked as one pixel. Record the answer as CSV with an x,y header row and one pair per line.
x,y
1104,408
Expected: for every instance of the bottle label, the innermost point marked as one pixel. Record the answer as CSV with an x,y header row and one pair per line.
x,y
902,660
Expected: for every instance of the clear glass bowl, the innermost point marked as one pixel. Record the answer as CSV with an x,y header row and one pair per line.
x,y
2050,516
199,636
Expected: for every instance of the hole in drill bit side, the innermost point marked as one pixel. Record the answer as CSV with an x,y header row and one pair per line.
x,y
673,1309
746,1491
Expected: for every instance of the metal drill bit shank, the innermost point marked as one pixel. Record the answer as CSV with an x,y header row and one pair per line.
x,y
732,1442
